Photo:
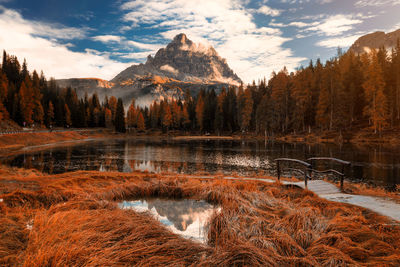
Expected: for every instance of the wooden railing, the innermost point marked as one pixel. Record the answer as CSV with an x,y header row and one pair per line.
x,y
309,167
340,173
306,167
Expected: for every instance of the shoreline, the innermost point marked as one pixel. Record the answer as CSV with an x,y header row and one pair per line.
x,y
14,143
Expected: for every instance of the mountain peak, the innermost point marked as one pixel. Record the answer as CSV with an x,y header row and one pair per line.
x,y
180,38
185,61
180,42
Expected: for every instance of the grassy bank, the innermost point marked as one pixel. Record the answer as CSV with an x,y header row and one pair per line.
x,y
14,142
354,136
11,143
73,219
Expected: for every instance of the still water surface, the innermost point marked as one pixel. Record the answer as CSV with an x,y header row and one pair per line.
x,y
187,217
373,164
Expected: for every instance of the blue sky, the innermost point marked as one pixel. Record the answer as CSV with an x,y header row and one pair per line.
x,y
99,38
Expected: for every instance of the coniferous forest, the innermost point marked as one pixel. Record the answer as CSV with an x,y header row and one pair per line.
x,y
347,92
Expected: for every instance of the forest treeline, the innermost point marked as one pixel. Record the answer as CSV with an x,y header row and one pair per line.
x,y
31,100
347,92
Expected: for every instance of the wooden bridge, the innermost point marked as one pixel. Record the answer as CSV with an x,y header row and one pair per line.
x,y
309,168
323,189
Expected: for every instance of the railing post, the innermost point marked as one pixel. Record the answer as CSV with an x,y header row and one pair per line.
x,y
311,168
342,178
341,182
278,170
305,177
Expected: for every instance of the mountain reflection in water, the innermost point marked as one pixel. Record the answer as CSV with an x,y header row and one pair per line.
x,y
377,165
186,217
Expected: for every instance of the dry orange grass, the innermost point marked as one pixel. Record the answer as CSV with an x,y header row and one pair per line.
x,y
12,143
30,139
363,189
76,222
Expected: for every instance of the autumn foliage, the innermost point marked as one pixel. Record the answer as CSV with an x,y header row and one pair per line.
x,y
349,91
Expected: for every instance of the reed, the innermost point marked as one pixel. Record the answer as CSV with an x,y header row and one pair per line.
x,y
76,221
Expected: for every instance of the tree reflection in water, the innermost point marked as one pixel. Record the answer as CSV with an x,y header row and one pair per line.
x,y
372,164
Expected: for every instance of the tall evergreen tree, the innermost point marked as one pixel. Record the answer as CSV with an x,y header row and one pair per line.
x,y
376,108
50,114
140,122
120,117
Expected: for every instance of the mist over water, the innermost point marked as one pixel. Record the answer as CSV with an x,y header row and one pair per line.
x,y
375,165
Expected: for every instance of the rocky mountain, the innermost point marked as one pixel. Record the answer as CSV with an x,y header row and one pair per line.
x,y
182,65
375,41
89,85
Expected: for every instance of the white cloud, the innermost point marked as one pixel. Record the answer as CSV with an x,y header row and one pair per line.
x,y
144,46
252,51
393,28
301,24
122,41
107,38
342,42
332,25
266,10
26,39
376,3
337,24
273,23
41,29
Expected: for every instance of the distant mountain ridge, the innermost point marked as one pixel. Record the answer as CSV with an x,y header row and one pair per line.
x,y
375,40
182,65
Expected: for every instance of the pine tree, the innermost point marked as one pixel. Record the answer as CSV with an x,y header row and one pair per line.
x,y
120,117
322,115
25,101
50,114
219,112
112,102
132,115
67,116
376,108
200,110
240,105
302,95
210,105
185,117
3,95
230,106
280,88
396,78
3,86
154,115
96,116
262,120
167,116
108,118
246,111
38,112
140,122
176,113
3,112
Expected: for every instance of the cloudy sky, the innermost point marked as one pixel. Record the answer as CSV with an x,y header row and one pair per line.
x,y
100,38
